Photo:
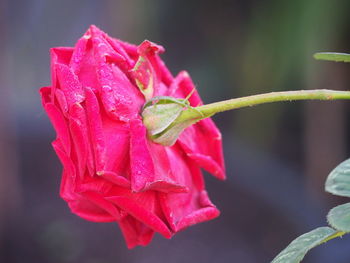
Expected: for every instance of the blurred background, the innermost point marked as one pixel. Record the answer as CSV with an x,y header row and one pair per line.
x,y
277,155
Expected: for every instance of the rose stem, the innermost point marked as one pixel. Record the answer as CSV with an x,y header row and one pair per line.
x,y
209,110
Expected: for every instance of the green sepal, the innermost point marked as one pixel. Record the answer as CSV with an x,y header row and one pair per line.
x,y
169,136
160,116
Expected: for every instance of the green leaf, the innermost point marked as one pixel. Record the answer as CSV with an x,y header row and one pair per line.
x,y
296,250
338,181
333,56
339,217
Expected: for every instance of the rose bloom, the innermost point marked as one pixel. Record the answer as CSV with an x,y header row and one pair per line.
x,y
112,171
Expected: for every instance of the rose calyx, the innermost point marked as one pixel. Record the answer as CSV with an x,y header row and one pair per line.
x,y
161,117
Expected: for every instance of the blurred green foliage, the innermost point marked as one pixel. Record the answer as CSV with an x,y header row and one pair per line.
x,y
277,55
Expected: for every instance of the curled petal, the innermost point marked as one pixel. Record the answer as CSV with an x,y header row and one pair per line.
x,y
45,93
121,55
60,126
67,189
83,63
89,211
93,184
135,232
166,179
79,54
185,209
114,178
110,141
150,165
148,72
143,206
95,128
62,101
139,212
148,48
69,83
60,55
120,50
142,169
78,129
119,97
101,202
208,212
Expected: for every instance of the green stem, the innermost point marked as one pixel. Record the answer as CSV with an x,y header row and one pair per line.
x,y
208,110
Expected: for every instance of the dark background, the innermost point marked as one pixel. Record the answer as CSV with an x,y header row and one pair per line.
x,y
277,155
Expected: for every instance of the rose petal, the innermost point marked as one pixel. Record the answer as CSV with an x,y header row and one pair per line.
x,y
45,93
67,188
59,123
60,55
150,166
89,211
117,143
62,102
135,232
115,178
118,47
143,206
119,97
69,83
165,177
95,128
101,202
142,169
185,209
79,54
78,129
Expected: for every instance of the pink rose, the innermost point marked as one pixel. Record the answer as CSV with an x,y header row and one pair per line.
x,y
112,171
